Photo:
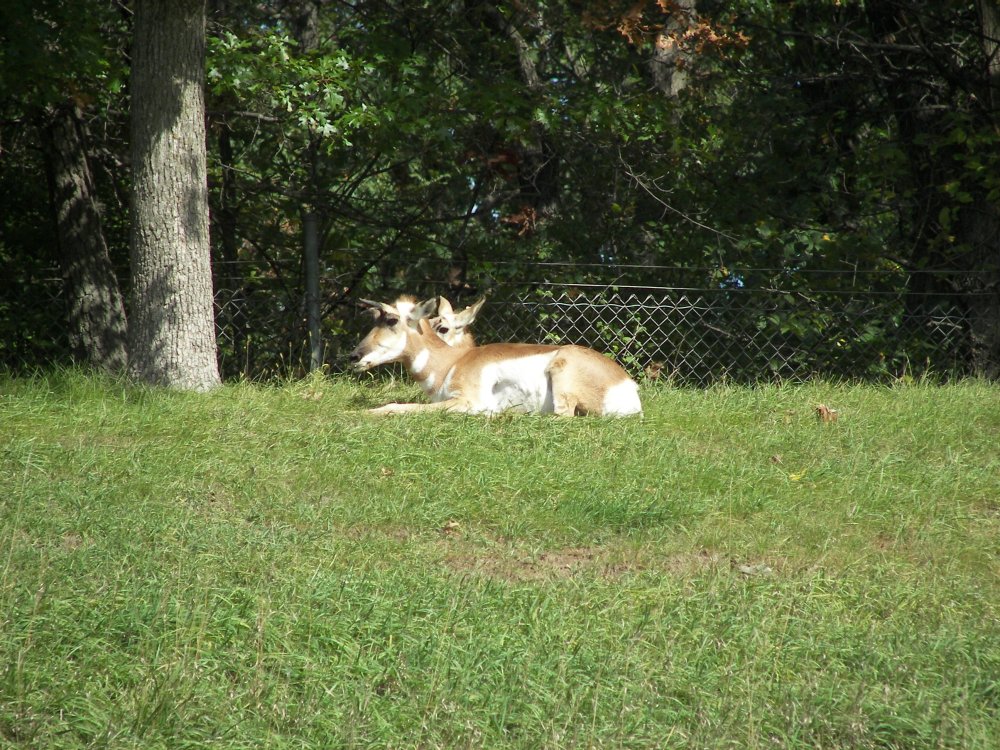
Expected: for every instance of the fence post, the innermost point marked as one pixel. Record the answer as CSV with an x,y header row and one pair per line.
x,y
310,225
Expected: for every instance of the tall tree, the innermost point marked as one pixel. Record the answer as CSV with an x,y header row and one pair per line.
x,y
171,328
61,65
97,329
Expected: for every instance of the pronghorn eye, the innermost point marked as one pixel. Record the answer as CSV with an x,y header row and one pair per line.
x,y
442,329
391,321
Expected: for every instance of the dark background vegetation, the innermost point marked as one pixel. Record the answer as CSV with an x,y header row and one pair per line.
x,y
795,149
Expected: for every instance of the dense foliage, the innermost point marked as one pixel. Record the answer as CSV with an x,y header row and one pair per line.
x,y
455,145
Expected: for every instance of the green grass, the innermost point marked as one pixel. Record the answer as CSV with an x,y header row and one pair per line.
x,y
269,567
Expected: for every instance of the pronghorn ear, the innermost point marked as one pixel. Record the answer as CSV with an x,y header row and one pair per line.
x,y
444,307
469,314
426,309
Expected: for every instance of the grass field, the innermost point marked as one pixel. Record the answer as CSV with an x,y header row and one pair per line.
x,y
269,567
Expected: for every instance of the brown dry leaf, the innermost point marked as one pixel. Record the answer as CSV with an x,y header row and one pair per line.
x,y
386,471
776,459
653,370
825,414
451,528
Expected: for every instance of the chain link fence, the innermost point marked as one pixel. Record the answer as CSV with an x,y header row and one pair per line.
x,y
684,336
680,335
701,337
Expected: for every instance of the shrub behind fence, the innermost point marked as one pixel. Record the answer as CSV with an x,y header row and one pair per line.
x,y
683,334
690,336
744,336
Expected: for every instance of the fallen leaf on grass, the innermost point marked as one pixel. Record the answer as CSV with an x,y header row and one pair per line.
x,y
825,414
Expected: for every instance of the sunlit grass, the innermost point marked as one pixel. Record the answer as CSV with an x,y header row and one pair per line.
x,y
272,567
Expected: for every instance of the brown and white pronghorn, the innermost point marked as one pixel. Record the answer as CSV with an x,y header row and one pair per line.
x,y
533,378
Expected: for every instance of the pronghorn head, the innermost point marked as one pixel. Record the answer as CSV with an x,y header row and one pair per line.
x,y
453,326
385,342
413,312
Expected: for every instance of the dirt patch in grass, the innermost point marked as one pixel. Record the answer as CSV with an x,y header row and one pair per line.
x,y
511,564
504,559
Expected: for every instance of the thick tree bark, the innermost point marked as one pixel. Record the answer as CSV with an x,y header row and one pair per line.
x,y
980,223
171,327
979,232
96,312
668,65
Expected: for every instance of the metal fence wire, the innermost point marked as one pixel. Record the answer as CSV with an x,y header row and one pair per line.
x,y
685,336
701,338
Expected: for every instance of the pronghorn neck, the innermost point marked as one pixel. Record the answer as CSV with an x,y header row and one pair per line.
x,y
427,358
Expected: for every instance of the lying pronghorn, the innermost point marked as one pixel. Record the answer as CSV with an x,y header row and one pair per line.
x,y
533,378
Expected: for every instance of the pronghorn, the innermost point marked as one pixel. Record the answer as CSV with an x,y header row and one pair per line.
x,y
534,378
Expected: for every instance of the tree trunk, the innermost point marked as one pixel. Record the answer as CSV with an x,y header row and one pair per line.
x,y
172,327
96,312
668,65
979,232
979,224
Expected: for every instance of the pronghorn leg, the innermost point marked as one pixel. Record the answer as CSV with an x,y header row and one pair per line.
x,y
564,391
452,404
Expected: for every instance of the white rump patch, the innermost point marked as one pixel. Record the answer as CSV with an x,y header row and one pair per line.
x,y
622,399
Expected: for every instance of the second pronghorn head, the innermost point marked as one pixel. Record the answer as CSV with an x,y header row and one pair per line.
x,y
453,326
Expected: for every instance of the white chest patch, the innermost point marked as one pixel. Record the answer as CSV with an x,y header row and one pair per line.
x,y
420,361
444,392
